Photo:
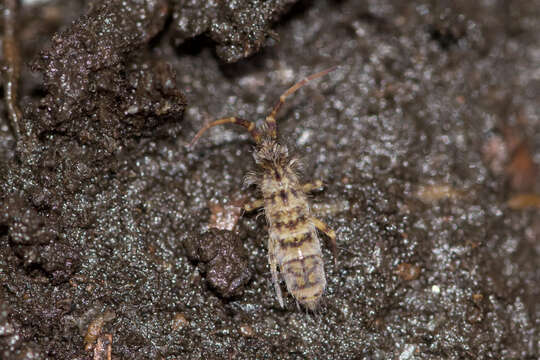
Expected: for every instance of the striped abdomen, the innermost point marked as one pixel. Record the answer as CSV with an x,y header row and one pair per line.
x,y
293,242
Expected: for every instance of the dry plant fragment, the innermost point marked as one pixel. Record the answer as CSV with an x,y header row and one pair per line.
x,y
102,350
524,201
179,321
408,271
246,330
11,65
436,192
521,170
95,328
225,217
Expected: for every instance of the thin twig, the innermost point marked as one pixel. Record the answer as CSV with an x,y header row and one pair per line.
x,y
11,66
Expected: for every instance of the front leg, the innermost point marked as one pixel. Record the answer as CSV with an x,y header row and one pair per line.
x,y
253,205
328,232
309,187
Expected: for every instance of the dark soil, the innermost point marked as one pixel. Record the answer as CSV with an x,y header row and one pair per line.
x,y
427,137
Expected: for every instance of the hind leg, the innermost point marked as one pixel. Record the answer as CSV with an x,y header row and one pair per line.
x,y
328,232
273,269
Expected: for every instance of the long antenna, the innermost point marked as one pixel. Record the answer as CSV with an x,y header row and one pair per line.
x,y
271,119
250,126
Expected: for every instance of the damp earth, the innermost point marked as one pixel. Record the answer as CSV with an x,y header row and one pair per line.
x,y
117,240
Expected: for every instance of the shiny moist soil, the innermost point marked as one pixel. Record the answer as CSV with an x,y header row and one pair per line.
x,y
117,240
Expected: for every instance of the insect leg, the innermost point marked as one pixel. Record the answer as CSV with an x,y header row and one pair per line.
x,y
329,232
250,126
273,269
309,187
253,205
271,119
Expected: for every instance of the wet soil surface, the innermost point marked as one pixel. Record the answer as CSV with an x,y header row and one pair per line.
x,y
117,239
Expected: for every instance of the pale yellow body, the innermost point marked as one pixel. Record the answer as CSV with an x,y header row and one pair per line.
x,y
293,243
